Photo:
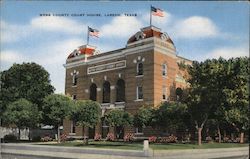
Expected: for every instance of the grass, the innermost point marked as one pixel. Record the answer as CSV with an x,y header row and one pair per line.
x,y
101,144
139,145
195,146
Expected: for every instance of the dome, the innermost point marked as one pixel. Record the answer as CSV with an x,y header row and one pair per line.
x,y
83,50
149,32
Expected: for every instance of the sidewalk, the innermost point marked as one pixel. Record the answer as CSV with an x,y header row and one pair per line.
x,y
56,152
243,152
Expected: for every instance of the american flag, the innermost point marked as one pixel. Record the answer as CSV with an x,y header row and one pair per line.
x,y
157,12
93,32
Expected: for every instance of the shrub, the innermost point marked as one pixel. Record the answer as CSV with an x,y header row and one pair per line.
x,y
63,137
10,138
226,139
46,139
97,137
169,139
110,137
36,138
152,139
128,137
217,139
209,139
237,140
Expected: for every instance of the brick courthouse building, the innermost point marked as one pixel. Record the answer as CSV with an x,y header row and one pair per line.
x,y
145,72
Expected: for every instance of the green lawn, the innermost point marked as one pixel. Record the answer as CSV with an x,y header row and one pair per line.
x,y
102,144
139,145
195,146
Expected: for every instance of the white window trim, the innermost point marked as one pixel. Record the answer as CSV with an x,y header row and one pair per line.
x,y
139,76
138,133
71,128
73,97
138,100
137,69
164,70
164,92
137,94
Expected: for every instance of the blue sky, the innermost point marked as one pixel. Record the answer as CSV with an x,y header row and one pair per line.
x,y
200,30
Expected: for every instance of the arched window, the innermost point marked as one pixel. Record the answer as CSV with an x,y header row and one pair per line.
x,y
74,75
92,94
120,91
139,68
164,69
74,80
106,92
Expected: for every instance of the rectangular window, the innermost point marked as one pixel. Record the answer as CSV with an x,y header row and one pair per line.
x,y
73,127
164,92
139,92
164,70
138,130
74,97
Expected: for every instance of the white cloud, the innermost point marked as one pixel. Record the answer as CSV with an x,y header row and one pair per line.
x,y
52,57
120,27
57,52
59,24
195,27
228,52
12,33
11,56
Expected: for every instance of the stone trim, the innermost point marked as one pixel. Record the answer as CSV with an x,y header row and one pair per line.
x,y
107,69
128,51
123,53
98,89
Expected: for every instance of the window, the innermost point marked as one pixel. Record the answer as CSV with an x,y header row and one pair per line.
x,y
73,126
120,91
164,92
179,93
74,80
74,97
106,92
139,68
74,77
105,128
164,69
138,130
139,92
92,94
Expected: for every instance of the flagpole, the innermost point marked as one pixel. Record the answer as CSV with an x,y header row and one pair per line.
x,y
150,15
88,36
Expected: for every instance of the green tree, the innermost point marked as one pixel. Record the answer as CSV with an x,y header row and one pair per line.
x,y
118,118
237,95
22,114
219,91
56,107
86,113
144,117
200,96
28,80
172,117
